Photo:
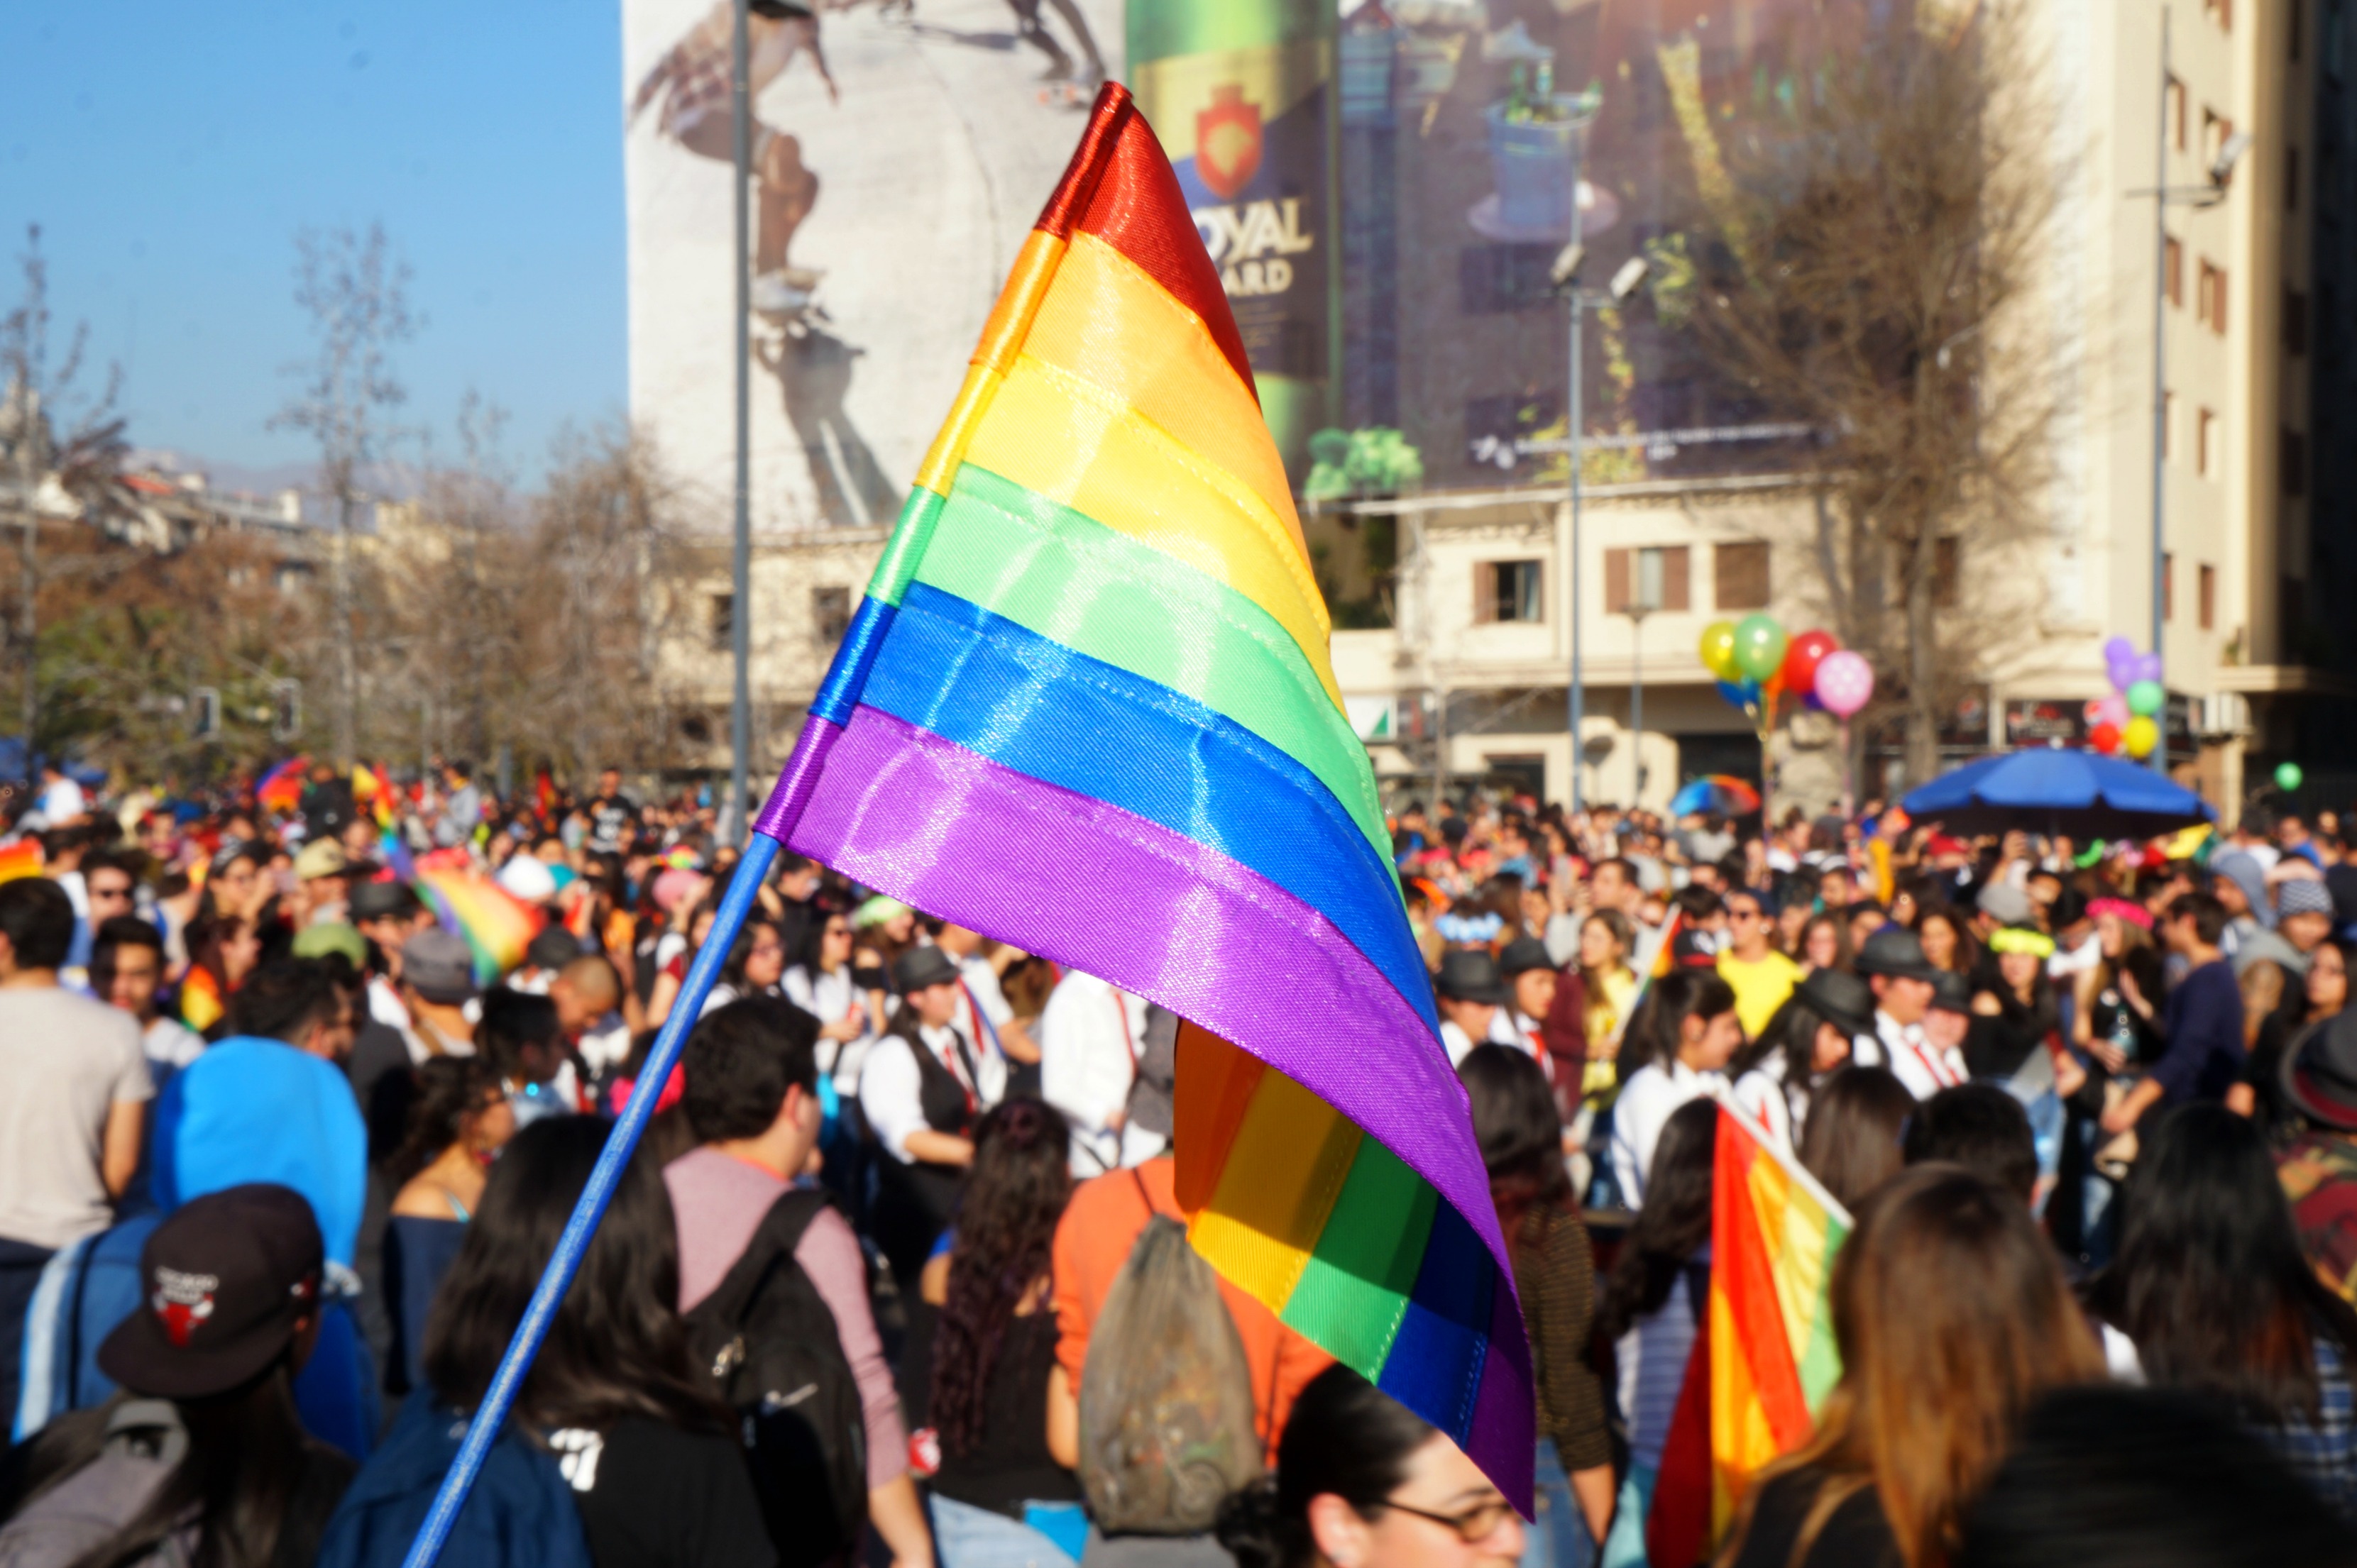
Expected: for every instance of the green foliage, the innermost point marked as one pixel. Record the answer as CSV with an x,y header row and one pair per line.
x,y
1373,461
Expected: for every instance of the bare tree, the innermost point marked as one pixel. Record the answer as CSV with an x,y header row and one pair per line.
x,y
58,435
1868,267
355,290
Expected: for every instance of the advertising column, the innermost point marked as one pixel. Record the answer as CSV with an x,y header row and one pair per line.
x,y
1241,93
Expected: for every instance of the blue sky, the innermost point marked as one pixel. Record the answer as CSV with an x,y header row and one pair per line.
x,y
171,153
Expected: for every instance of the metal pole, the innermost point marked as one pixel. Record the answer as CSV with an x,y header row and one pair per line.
x,y
2159,382
1572,421
1637,699
740,618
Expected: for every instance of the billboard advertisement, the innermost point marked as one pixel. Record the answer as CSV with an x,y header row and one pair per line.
x,y
900,154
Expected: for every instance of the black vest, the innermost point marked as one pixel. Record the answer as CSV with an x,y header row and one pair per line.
x,y
940,1095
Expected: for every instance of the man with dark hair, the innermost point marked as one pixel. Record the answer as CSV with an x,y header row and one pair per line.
x,y
751,1096
126,971
613,815
2201,1022
76,1092
1982,1128
270,1103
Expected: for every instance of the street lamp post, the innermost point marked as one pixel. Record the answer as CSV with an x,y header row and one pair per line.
x,y
2164,197
740,606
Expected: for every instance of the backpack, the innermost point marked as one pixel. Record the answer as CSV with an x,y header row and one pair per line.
x,y
144,1445
1166,1394
765,1342
83,1292
520,1513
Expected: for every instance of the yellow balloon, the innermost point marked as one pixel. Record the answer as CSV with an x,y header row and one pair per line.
x,y
2141,736
1719,651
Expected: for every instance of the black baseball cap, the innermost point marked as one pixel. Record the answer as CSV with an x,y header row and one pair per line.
x,y
224,1281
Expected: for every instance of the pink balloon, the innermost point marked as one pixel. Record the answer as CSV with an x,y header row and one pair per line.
x,y
1844,682
2112,709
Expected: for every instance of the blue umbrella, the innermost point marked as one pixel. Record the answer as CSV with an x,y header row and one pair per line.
x,y
2060,790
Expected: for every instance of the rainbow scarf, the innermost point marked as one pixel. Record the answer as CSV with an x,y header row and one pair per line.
x,y
1087,707
22,858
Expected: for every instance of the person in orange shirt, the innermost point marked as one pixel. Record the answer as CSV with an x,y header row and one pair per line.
x,y
1093,1241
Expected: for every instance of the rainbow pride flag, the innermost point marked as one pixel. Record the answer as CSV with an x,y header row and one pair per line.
x,y
22,858
201,1006
281,789
1087,707
497,924
1773,1234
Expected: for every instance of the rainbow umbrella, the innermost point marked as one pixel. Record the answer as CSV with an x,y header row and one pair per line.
x,y
1720,793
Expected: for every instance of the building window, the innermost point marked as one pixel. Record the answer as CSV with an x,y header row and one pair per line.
x,y
831,614
2210,297
2168,586
2175,92
2216,131
2294,320
1655,579
2172,272
1492,280
2292,457
2205,433
1740,576
724,620
2208,607
1945,570
1507,590
2220,11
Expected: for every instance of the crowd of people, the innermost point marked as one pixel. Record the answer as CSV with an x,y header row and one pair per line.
x,y
898,1272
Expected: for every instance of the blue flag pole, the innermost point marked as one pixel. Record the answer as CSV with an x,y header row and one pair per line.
x,y
483,1430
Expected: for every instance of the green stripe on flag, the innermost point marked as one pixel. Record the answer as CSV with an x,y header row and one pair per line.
x,y
1352,1297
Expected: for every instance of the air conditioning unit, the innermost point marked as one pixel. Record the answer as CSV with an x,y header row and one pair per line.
x,y
2222,716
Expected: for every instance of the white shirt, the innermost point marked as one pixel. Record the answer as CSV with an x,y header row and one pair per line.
x,y
62,802
891,1087
1458,1044
981,987
1089,1036
386,1008
1925,1069
1522,1031
829,996
170,1044
1647,1101
1759,1094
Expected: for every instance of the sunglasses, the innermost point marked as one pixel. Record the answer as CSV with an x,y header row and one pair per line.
x,y
1473,1525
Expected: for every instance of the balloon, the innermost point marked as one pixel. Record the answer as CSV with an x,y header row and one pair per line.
x,y
2288,777
2105,738
2147,667
2117,649
1809,701
2146,698
1800,659
1759,646
1719,651
2141,736
1844,682
2112,709
1733,692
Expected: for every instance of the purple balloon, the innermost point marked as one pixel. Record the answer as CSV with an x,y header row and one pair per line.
x,y
2116,649
2148,668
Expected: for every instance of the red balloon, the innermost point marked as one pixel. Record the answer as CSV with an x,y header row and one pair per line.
x,y
1801,656
2105,738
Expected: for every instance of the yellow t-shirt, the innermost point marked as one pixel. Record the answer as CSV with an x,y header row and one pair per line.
x,y
1761,987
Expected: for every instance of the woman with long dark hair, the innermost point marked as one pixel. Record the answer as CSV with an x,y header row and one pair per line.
x,y
756,962
1951,1316
1653,1306
1808,1039
1362,1482
201,1459
2210,1284
656,1471
1521,1133
1678,1046
2322,993
1851,1141
457,1126
983,1360
2014,1007
819,983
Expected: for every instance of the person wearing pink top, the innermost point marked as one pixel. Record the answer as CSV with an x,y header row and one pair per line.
x,y
752,1097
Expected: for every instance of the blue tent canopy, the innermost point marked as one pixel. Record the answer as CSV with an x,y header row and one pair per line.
x,y
2060,791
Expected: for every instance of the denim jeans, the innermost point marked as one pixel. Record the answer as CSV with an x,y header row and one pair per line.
x,y
1625,1547
1557,1536
968,1537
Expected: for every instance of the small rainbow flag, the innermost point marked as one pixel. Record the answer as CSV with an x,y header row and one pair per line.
x,y
1774,1235
200,1000
497,924
281,789
1087,707
22,858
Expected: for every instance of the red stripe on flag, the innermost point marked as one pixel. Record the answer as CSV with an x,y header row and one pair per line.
x,y
1742,1271
1677,1526
1112,111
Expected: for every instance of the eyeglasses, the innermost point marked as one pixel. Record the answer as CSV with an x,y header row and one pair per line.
x,y
1473,1526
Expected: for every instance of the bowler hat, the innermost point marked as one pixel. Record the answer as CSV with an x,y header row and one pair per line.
x,y
1522,955
1839,998
2319,1072
1468,974
921,967
1896,953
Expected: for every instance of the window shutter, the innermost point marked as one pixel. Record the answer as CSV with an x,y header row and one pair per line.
x,y
1485,592
1616,582
1741,570
1677,578
1944,557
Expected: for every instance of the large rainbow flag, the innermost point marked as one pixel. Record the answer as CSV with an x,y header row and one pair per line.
x,y
1086,706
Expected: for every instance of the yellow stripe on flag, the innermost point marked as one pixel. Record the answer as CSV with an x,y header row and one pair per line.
x,y
1284,1170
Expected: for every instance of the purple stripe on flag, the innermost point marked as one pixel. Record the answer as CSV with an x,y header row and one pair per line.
x,y
801,774
1503,1415
1155,913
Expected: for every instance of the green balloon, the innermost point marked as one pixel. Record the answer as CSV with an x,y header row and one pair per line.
x,y
2146,698
2288,777
1759,646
